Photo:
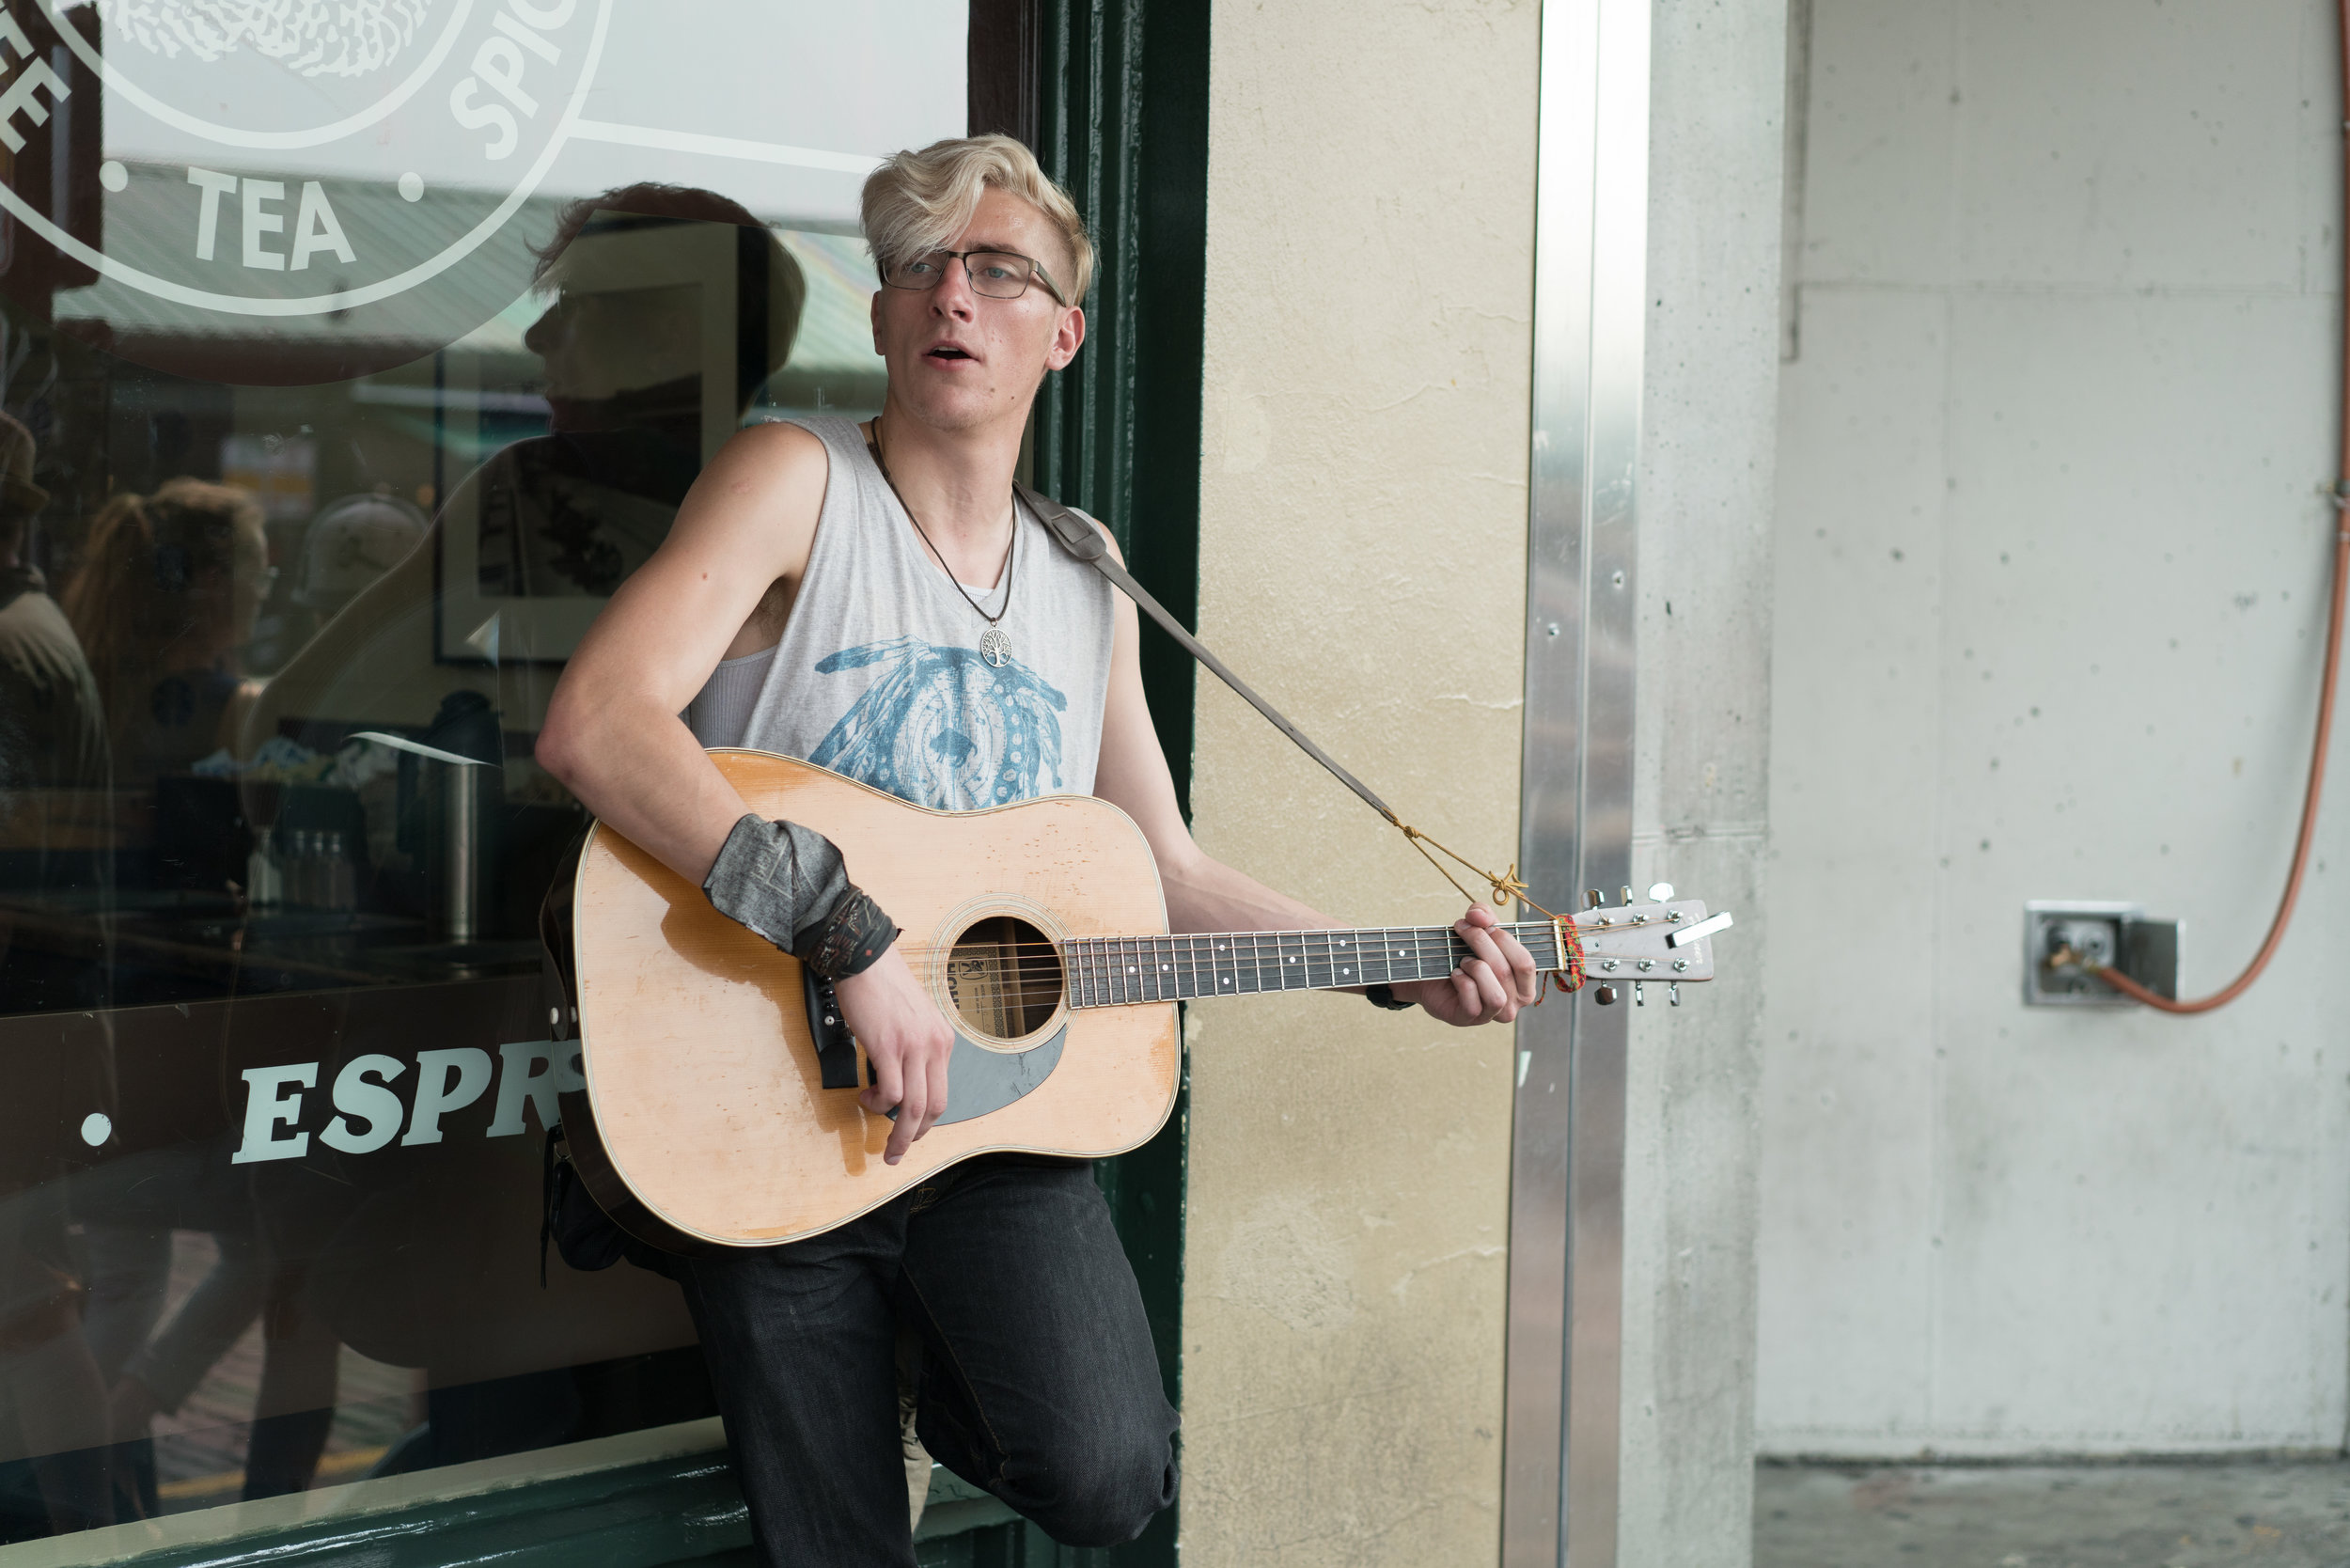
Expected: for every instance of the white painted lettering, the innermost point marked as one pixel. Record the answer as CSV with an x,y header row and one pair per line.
x,y
521,1080
13,36
257,222
19,99
500,64
528,38
472,118
374,1105
317,228
207,214
445,1081
269,1102
543,17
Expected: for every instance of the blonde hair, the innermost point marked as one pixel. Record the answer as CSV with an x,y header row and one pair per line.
x,y
921,200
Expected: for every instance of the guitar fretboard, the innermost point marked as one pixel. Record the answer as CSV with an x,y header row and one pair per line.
x,y
1117,971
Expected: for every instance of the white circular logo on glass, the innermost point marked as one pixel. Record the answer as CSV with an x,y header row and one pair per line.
x,y
285,158
353,38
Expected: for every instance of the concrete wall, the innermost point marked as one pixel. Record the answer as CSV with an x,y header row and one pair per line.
x,y
1348,1212
1362,559
1717,87
2050,572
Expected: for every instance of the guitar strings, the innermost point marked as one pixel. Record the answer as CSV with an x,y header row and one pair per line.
x,y
1034,958
1092,965
1422,936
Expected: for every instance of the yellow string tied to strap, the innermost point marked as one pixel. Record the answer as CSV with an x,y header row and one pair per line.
x,y
1508,889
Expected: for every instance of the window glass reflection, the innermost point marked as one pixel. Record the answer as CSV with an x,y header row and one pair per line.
x,y
346,371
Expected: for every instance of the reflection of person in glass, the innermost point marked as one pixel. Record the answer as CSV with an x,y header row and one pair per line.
x,y
560,515
576,512
571,514
168,592
347,546
930,637
53,731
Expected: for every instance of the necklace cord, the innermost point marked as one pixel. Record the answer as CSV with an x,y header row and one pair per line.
x,y
1011,551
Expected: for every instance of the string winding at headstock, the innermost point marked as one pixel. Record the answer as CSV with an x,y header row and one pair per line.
x,y
1664,939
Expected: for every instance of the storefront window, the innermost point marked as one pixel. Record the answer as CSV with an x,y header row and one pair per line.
x,y
351,356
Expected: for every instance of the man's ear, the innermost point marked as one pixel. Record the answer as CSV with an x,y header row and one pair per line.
x,y
1068,338
873,313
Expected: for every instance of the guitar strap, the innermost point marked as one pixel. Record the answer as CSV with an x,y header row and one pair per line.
x,y
1084,541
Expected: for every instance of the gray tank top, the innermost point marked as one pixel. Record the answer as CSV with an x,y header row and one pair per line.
x,y
879,674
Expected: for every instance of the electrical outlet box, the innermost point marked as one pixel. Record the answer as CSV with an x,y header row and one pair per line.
x,y
2066,939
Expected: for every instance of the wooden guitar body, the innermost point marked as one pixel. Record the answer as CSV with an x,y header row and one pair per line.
x,y
704,1123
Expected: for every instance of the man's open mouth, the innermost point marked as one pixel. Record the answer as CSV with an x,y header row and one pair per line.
x,y
946,351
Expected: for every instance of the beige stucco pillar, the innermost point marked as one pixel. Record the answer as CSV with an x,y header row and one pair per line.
x,y
1362,559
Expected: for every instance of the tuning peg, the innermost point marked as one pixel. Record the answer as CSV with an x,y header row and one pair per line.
x,y
1639,995
1604,996
1660,892
1672,994
1592,898
1627,894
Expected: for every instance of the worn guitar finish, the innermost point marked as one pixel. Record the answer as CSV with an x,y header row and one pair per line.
x,y
1037,927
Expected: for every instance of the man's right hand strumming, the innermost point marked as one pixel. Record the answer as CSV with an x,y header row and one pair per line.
x,y
906,1041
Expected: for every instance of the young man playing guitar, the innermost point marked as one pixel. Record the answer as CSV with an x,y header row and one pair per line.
x,y
874,598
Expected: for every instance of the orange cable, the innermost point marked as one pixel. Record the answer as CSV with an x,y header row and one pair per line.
x,y
2114,977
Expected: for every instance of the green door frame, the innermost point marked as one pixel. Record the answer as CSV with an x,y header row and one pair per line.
x,y
1120,119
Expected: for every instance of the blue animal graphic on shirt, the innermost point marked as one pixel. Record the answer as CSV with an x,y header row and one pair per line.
x,y
943,728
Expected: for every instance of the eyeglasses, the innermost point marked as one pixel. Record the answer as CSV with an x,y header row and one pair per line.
x,y
1000,275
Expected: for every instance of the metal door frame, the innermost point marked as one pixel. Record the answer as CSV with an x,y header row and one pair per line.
x,y
1561,1425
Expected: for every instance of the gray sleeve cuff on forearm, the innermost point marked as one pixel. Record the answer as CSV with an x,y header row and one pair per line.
x,y
781,880
788,884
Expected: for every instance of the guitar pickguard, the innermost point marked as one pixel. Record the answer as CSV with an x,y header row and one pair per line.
x,y
979,1080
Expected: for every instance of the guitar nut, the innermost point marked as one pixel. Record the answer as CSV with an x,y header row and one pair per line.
x,y
1607,963
1679,964
1646,965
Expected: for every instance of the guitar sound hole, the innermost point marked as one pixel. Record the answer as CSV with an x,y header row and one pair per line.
x,y
1005,977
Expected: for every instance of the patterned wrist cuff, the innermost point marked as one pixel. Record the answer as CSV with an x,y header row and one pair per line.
x,y
852,939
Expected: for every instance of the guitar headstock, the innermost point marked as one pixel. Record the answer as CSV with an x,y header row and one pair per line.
x,y
1664,939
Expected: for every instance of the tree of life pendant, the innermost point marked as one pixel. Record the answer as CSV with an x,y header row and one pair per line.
x,y
994,647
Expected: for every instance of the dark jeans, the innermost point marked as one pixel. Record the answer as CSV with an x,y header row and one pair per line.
x,y
1038,1381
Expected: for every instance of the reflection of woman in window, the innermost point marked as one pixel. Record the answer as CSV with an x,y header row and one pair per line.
x,y
168,590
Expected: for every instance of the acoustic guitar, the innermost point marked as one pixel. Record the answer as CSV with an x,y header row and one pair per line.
x,y
721,1101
